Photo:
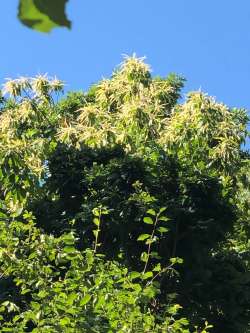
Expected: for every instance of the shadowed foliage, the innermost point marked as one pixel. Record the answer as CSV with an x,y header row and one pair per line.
x,y
122,209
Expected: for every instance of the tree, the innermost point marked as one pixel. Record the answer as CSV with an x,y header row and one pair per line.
x,y
122,190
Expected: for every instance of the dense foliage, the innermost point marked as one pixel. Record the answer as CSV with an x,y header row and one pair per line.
x,y
121,209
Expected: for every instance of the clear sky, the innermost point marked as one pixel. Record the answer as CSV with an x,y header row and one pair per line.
x,y
207,41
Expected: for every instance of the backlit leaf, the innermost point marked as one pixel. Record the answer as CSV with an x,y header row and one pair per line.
x,y
143,237
148,220
43,15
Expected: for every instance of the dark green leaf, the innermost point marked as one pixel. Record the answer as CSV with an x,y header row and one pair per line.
x,y
43,15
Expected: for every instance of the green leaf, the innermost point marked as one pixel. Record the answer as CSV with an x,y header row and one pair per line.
x,y
96,212
176,260
164,218
162,209
151,241
85,299
68,239
25,291
136,287
149,292
157,268
151,212
144,257
42,294
69,249
64,321
134,275
105,211
147,275
7,329
96,221
143,237
43,15
148,220
162,229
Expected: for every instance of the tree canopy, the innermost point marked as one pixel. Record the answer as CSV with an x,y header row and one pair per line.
x,y
122,209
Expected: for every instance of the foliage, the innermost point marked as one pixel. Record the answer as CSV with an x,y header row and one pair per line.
x,y
43,15
63,289
121,209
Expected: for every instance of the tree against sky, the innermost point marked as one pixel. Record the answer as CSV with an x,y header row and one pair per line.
x,y
122,209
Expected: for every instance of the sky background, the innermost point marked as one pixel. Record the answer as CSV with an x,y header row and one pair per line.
x,y
208,42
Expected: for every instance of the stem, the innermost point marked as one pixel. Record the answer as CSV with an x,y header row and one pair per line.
x,y
159,273
149,245
98,231
3,274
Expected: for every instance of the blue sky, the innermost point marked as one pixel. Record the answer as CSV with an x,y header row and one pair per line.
x,y
208,42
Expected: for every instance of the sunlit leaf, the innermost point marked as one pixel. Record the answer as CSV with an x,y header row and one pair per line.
x,y
43,15
143,237
147,275
148,220
85,299
134,275
144,257
164,218
151,212
162,229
